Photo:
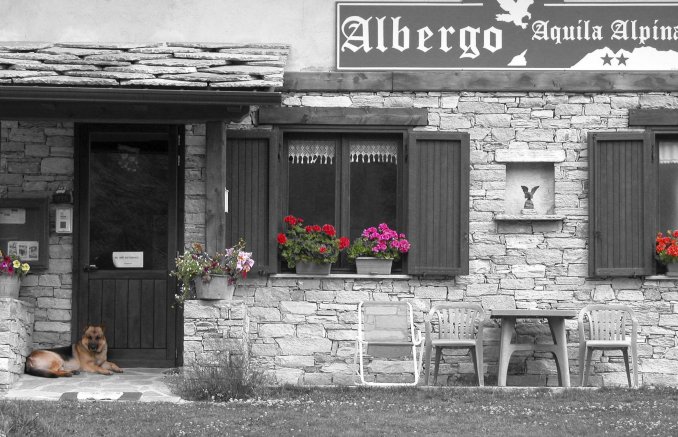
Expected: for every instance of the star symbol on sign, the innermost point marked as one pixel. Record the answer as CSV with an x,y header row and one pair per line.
x,y
607,60
622,59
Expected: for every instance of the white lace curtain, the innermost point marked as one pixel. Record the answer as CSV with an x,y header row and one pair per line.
x,y
318,151
668,152
368,151
311,151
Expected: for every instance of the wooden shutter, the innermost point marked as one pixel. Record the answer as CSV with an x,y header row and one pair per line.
x,y
438,203
251,178
622,207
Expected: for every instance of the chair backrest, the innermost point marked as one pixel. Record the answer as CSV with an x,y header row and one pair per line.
x,y
385,321
457,320
606,322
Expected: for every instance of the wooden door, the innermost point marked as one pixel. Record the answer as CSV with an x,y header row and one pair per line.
x,y
128,185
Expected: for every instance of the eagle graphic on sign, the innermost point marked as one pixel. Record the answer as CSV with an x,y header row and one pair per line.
x,y
517,10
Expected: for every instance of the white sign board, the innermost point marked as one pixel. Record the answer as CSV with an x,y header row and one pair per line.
x,y
12,216
128,260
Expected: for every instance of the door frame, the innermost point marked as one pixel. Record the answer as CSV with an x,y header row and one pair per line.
x,y
81,190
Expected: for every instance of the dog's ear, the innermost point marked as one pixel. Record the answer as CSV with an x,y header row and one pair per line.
x,y
103,327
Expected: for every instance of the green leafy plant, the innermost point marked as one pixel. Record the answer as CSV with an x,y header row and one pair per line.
x,y
379,242
312,243
231,376
195,262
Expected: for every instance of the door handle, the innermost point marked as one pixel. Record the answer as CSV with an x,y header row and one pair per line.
x,y
91,268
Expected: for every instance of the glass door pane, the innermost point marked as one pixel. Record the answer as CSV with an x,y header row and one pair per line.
x,y
128,195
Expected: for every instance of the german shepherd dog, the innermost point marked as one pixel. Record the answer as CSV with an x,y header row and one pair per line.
x,y
89,355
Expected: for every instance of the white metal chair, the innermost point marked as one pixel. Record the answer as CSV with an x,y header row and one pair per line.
x,y
607,330
460,326
386,328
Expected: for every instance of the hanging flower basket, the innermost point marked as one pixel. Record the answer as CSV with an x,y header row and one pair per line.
x,y
217,288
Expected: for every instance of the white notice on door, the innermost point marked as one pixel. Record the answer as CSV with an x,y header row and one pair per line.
x,y
128,260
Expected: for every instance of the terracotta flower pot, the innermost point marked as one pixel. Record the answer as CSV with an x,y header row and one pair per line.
x,y
366,265
9,286
672,269
308,268
217,288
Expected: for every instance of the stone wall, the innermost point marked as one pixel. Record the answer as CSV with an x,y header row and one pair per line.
x,y
303,329
16,329
35,159
213,328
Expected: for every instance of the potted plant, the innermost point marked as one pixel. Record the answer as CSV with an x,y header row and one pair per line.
x,y
667,251
310,249
215,275
12,269
376,249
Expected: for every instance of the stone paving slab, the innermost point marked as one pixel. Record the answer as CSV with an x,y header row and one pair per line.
x,y
149,382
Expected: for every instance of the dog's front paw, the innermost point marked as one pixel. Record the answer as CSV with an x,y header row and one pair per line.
x,y
118,370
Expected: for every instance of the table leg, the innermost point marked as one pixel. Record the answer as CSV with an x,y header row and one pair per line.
x,y
508,325
557,326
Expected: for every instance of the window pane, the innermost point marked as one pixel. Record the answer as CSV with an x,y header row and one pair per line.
x,y
668,185
374,182
312,169
129,201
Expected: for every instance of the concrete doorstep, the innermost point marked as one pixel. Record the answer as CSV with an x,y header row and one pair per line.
x,y
137,384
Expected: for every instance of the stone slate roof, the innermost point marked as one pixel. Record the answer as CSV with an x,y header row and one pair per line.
x,y
219,66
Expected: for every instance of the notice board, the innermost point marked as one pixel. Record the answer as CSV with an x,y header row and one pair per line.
x,y
24,230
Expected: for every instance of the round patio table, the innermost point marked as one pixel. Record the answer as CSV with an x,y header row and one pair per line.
x,y
556,320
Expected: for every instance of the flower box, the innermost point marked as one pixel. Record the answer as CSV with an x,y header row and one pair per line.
x,y
366,265
9,286
217,288
309,268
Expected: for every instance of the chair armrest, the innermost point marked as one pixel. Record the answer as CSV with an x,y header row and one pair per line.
x,y
481,331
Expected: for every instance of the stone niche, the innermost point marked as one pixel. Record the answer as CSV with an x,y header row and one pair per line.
x,y
530,169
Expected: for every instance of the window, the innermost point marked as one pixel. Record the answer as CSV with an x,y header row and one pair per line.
x,y
352,176
349,180
668,181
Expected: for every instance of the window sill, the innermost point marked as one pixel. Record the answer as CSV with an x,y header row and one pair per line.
x,y
528,218
339,276
661,278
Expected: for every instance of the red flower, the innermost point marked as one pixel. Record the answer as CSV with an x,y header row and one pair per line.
x,y
316,228
282,239
344,243
290,220
322,249
309,229
329,230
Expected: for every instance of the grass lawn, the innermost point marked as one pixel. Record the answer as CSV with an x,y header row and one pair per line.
x,y
360,411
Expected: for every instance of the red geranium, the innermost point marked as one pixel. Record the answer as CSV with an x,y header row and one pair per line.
x,y
329,230
666,246
312,243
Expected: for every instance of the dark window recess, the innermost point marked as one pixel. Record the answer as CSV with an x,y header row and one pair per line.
x,y
128,201
622,210
312,178
348,180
